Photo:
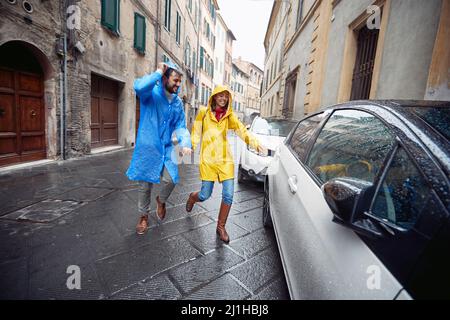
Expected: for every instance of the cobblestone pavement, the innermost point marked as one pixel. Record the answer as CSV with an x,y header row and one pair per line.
x,y
83,212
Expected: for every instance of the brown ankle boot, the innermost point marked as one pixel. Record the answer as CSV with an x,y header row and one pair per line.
x,y
223,215
160,209
142,226
193,198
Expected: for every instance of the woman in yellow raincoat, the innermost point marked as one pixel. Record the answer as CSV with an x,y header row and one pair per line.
x,y
216,161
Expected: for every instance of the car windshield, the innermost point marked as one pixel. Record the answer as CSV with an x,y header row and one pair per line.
x,y
269,127
437,117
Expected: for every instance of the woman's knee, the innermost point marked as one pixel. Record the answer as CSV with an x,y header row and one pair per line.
x,y
228,191
206,191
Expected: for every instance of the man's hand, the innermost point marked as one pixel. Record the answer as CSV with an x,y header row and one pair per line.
x,y
163,67
186,152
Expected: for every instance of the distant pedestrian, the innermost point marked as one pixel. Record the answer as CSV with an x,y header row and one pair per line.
x,y
216,161
154,160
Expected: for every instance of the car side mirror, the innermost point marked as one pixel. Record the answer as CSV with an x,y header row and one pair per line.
x,y
348,199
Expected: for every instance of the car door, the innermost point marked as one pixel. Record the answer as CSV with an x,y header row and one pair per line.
x,y
408,207
282,172
325,260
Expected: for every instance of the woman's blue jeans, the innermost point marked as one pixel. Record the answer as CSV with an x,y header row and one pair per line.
x,y
227,191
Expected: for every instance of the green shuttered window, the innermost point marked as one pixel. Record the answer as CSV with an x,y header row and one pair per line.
x,y
111,15
139,33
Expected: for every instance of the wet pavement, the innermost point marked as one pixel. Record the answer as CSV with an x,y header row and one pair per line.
x,y
83,213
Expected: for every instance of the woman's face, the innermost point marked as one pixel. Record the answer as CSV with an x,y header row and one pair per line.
x,y
221,99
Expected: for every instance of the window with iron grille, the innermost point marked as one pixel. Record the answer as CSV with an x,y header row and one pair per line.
x,y
111,15
365,61
291,87
139,33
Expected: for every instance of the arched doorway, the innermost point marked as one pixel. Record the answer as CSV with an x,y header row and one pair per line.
x,y
22,111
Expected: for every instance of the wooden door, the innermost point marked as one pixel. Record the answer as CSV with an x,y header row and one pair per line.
x,y
104,112
22,117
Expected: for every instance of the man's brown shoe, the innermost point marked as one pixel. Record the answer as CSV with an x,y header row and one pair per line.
x,y
142,226
160,209
193,198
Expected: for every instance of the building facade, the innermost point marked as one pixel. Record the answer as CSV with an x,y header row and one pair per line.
x,y
79,96
228,68
336,51
191,14
219,52
255,75
274,42
208,20
239,80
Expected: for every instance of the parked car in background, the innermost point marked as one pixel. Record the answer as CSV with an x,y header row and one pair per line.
x,y
359,199
271,133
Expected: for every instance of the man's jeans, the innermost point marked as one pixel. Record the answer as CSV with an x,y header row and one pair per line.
x,y
227,191
145,192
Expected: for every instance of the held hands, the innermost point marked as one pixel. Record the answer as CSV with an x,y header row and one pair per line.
x,y
185,152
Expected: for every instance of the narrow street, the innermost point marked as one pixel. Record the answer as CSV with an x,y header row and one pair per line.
x,y
83,213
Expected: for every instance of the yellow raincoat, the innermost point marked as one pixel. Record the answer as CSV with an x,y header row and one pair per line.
x,y
216,159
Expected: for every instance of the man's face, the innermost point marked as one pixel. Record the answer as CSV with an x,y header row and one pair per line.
x,y
173,82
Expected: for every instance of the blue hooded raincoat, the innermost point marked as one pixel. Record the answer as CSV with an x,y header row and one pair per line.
x,y
159,119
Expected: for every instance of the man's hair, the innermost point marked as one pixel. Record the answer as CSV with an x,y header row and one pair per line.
x,y
169,71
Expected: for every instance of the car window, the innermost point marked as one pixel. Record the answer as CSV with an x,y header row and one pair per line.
x,y
303,133
279,128
352,144
437,117
404,193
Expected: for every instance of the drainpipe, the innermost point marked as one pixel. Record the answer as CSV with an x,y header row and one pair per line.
x,y
65,97
61,116
157,31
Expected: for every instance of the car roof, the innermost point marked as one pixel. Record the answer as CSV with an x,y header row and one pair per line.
x,y
436,143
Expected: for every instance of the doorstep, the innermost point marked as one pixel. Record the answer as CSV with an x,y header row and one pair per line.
x,y
105,149
25,165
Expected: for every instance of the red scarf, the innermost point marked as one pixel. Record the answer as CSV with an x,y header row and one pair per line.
x,y
220,112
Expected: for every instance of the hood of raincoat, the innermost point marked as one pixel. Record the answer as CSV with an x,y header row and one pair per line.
x,y
217,90
174,66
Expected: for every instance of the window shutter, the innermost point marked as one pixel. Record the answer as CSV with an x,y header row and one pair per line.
x,y
202,54
110,14
139,32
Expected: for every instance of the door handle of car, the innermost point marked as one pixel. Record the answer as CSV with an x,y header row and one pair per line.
x,y
292,181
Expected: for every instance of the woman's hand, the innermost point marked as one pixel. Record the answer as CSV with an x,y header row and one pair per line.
x,y
262,150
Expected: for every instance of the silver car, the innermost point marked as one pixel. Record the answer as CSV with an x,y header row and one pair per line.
x,y
359,198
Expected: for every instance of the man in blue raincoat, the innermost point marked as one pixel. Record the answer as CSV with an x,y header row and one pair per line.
x,y
154,159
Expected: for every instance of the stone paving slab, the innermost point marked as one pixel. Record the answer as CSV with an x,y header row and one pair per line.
x,y
126,269
223,288
258,271
249,220
276,290
158,288
195,273
206,238
253,243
